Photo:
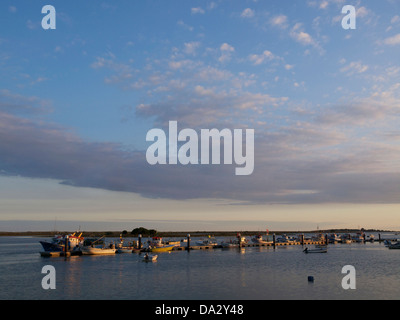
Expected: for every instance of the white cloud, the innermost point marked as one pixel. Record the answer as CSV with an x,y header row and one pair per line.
x,y
362,12
247,13
257,59
303,37
226,47
392,40
197,10
395,19
31,25
226,50
184,25
191,47
279,21
354,67
324,4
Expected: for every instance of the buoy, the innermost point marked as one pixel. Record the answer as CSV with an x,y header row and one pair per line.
x,y
310,279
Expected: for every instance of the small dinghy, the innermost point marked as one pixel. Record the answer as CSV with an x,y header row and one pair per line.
x,y
316,250
150,257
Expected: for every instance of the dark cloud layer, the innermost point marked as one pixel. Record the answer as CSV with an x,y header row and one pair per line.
x,y
286,170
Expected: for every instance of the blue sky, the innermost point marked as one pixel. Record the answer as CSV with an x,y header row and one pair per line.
x,y
76,104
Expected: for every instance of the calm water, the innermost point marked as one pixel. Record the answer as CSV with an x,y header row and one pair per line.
x,y
219,274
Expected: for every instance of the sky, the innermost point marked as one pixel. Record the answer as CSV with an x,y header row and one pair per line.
x,y
77,101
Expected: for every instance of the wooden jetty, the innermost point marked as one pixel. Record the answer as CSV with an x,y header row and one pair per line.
x,y
251,244
60,253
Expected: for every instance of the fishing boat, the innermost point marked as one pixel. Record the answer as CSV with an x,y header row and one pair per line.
x,y
122,248
164,248
58,242
150,258
157,245
259,239
316,250
97,247
97,251
156,242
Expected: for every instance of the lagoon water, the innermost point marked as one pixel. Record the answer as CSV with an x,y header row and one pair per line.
x,y
218,274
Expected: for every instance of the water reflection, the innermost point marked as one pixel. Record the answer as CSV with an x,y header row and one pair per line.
x,y
236,273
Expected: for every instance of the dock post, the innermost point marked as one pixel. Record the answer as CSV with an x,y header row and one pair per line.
x,y
302,239
239,237
379,237
66,246
140,241
326,239
188,241
273,239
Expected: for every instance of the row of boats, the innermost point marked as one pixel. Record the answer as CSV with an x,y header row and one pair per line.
x,y
76,244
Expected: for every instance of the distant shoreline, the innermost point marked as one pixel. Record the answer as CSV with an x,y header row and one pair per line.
x,y
177,234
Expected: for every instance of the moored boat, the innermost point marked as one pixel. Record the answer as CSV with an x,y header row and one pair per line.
x,y
394,245
334,238
129,248
210,241
97,251
285,239
164,248
124,250
235,243
359,237
58,242
259,239
316,250
150,258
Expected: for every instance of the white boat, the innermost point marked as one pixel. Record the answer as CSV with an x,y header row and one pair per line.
x,y
97,251
370,237
285,239
207,242
125,250
334,238
346,238
316,250
394,245
259,239
229,244
359,237
150,257
234,243
121,248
